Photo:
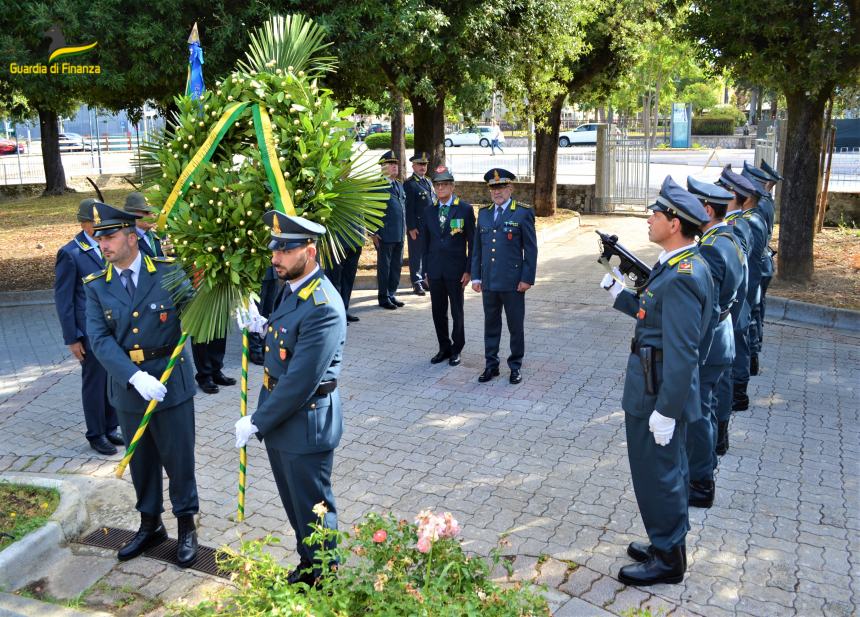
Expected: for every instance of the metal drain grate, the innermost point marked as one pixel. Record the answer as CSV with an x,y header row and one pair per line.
x,y
113,538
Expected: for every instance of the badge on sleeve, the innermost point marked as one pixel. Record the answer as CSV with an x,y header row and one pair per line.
x,y
640,314
283,352
685,266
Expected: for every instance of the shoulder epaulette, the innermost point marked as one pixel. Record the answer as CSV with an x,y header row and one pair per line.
x,y
91,277
489,205
678,259
320,296
519,203
456,201
709,241
306,292
163,260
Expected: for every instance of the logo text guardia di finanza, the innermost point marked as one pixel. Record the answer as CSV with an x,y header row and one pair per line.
x,y
58,54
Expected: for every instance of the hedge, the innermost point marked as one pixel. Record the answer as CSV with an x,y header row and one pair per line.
x,y
704,125
383,140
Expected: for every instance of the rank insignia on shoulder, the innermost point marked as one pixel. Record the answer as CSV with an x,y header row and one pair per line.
x,y
94,276
709,241
163,260
320,297
685,266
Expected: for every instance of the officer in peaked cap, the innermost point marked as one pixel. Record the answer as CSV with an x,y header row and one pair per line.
x,y
75,260
388,239
661,389
773,175
504,264
135,203
759,180
134,327
721,250
419,196
298,416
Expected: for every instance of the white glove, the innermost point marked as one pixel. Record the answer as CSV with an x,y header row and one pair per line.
x,y
148,386
251,319
244,429
611,284
662,427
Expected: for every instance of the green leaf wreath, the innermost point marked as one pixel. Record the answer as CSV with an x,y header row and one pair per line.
x,y
266,137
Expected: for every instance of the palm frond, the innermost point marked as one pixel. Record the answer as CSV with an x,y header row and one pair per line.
x,y
290,43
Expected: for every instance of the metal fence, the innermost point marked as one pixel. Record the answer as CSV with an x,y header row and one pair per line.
x,y
766,149
845,170
622,176
575,167
29,168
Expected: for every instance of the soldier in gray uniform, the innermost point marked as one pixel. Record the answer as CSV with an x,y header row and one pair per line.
x,y
719,247
661,390
504,264
135,203
133,325
419,196
299,414
388,239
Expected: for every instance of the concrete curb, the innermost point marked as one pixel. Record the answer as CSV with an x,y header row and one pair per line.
x,y
21,561
17,606
783,309
9,299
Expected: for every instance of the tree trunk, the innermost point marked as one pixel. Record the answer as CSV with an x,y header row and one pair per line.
x,y
430,128
646,117
754,103
398,130
55,175
546,160
797,198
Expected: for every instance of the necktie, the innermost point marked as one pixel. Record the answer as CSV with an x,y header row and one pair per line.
x,y
129,283
498,213
286,291
443,215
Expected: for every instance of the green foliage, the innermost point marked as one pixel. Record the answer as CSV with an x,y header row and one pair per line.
x,y
701,95
705,125
383,140
731,112
381,573
216,227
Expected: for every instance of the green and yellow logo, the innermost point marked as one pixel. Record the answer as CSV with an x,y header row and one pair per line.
x,y
58,53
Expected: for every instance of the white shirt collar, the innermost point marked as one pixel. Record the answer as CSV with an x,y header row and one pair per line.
x,y
720,224
93,243
664,256
733,211
294,286
450,201
505,205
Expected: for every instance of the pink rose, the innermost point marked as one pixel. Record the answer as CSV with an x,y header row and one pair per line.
x,y
424,544
380,536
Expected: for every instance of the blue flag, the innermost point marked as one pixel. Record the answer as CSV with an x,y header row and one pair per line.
x,y
194,84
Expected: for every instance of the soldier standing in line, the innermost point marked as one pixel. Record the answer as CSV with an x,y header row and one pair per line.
x,y
76,260
388,239
135,203
134,327
299,414
419,196
661,389
721,250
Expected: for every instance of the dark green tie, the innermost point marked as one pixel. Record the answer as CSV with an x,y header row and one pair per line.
x,y
443,215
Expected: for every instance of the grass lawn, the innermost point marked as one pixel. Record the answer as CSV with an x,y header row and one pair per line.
x,y
24,509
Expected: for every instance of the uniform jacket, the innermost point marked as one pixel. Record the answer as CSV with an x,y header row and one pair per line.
x,y
118,324
505,253
144,247
419,196
741,230
672,313
446,246
757,255
768,212
721,250
75,260
393,228
304,347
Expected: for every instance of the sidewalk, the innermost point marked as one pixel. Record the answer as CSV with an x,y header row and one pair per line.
x,y
544,460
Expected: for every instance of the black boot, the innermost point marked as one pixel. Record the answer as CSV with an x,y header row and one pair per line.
x,y
740,400
668,567
701,494
754,364
641,552
304,573
151,533
186,543
722,438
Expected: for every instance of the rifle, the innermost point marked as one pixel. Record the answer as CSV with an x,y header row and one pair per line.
x,y
631,266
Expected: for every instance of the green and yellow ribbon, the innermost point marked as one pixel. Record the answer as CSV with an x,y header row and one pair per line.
x,y
263,127
70,51
144,422
243,410
202,156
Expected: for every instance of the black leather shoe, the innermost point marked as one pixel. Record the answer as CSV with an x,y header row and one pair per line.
x,y
396,302
256,357
661,567
740,400
418,290
701,494
442,355
209,386
151,533
454,360
488,374
425,285
101,445
516,376
722,438
388,304
352,318
186,542
754,364
115,437
302,574
222,380
641,552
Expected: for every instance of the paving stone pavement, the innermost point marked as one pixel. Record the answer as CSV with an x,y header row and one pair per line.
x,y
544,461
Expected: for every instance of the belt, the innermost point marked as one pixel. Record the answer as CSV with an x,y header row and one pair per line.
x,y
724,314
140,355
635,347
326,387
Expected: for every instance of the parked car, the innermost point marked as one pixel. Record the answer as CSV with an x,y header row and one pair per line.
x,y
584,134
74,142
478,136
7,146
